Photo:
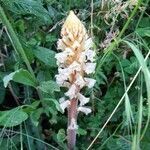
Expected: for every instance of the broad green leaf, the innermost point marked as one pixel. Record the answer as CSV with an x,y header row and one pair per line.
x,y
49,86
20,76
12,117
61,135
143,31
46,56
28,7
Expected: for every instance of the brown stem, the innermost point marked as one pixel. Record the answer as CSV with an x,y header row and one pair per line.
x,y
72,124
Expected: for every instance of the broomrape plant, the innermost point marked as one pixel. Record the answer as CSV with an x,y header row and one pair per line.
x,y
75,63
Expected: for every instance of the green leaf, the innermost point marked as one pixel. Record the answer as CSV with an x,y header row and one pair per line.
x,y
61,135
49,86
28,7
46,56
35,116
81,131
30,108
12,117
20,76
48,101
143,31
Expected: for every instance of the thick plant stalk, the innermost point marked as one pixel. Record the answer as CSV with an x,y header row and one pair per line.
x,y
75,63
72,118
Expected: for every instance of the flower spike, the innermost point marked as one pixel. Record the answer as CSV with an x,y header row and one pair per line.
x,y
75,62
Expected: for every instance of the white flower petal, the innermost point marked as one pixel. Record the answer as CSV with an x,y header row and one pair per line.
x,y
80,81
62,56
82,57
90,82
83,100
71,93
61,78
90,54
60,45
84,110
61,100
64,105
89,67
88,44
74,67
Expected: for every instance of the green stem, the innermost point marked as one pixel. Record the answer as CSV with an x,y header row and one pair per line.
x,y
142,14
129,19
14,39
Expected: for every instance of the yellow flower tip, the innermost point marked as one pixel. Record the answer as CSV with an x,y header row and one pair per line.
x,y
72,20
72,24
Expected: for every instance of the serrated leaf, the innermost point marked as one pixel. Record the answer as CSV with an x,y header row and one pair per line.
x,y
46,56
12,117
20,76
49,86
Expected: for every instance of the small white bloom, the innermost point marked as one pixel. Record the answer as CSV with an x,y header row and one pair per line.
x,y
90,54
64,72
71,93
61,100
62,76
61,57
88,44
82,57
80,81
74,67
60,79
83,100
90,82
84,110
60,45
89,67
64,105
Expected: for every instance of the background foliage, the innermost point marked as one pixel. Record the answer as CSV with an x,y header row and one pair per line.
x,y
30,116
